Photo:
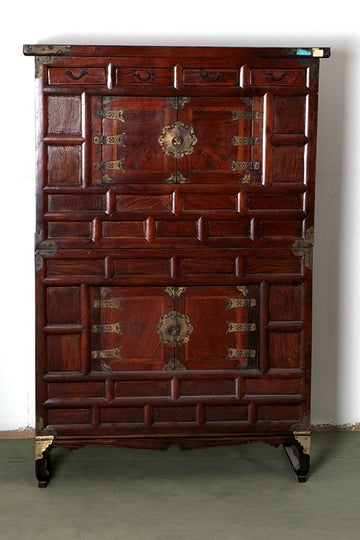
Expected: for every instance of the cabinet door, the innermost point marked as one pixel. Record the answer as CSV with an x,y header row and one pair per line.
x,y
125,133
228,135
123,329
223,327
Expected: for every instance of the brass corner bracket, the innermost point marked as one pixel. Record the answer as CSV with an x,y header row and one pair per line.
x,y
42,444
303,247
304,439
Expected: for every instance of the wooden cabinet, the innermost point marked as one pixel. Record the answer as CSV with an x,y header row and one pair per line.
x,y
175,199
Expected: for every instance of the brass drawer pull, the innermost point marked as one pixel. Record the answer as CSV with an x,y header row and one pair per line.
x,y
211,78
271,77
83,72
146,78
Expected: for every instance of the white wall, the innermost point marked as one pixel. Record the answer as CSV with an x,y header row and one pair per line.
x,y
336,373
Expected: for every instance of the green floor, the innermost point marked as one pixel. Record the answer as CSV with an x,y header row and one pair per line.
x,y
240,492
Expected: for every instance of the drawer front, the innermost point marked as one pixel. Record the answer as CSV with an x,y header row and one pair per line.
x,y
283,77
213,76
77,75
147,75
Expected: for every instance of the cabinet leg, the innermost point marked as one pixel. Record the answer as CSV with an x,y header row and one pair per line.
x,y
42,471
42,450
298,452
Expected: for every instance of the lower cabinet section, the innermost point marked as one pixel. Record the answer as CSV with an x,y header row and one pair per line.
x,y
194,365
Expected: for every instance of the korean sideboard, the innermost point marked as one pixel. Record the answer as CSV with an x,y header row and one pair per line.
x,y
175,200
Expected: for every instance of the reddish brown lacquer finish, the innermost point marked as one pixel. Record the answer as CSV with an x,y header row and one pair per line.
x,y
175,200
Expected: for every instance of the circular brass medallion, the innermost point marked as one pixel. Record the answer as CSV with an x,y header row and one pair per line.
x,y
177,140
174,328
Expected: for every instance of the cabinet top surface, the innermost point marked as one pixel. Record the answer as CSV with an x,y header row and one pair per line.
x,y
131,50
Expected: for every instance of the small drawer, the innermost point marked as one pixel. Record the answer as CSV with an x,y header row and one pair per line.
x,y
283,77
77,75
154,76
218,77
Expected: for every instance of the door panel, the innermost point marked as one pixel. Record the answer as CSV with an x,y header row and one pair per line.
x,y
125,146
229,140
224,330
123,329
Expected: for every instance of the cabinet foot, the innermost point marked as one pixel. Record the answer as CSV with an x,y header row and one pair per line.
x,y
299,459
42,471
42,450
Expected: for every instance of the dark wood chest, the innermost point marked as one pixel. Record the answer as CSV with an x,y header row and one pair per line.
x,y
175,201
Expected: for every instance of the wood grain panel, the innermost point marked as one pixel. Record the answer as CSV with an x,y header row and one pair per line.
x,y
64,115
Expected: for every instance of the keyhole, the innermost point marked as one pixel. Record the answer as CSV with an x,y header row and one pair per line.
x,y
174,330
177,141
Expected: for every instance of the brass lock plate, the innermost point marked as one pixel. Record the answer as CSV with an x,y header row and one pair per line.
x,y
177,140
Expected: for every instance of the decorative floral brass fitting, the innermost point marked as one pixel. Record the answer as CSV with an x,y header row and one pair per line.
x,y
174,328
177,140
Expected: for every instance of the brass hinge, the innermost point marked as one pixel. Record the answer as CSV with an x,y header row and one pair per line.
x,y
241,141
107,353
116,165
240,327
107,328
111,139
108,303
110,115
245,115
245,165
241,353
240,302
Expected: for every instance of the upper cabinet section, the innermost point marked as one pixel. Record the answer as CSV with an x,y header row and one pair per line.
x,y
175,70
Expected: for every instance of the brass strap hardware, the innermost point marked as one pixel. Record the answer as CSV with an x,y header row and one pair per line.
x,y
174,328
245,115
177,140
245,165
107,353
240,302
111,139
241,353
107,328
240,141
42,443
112,165
176,178
110,115
110,303
240,327
175,292
56,50
178,102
